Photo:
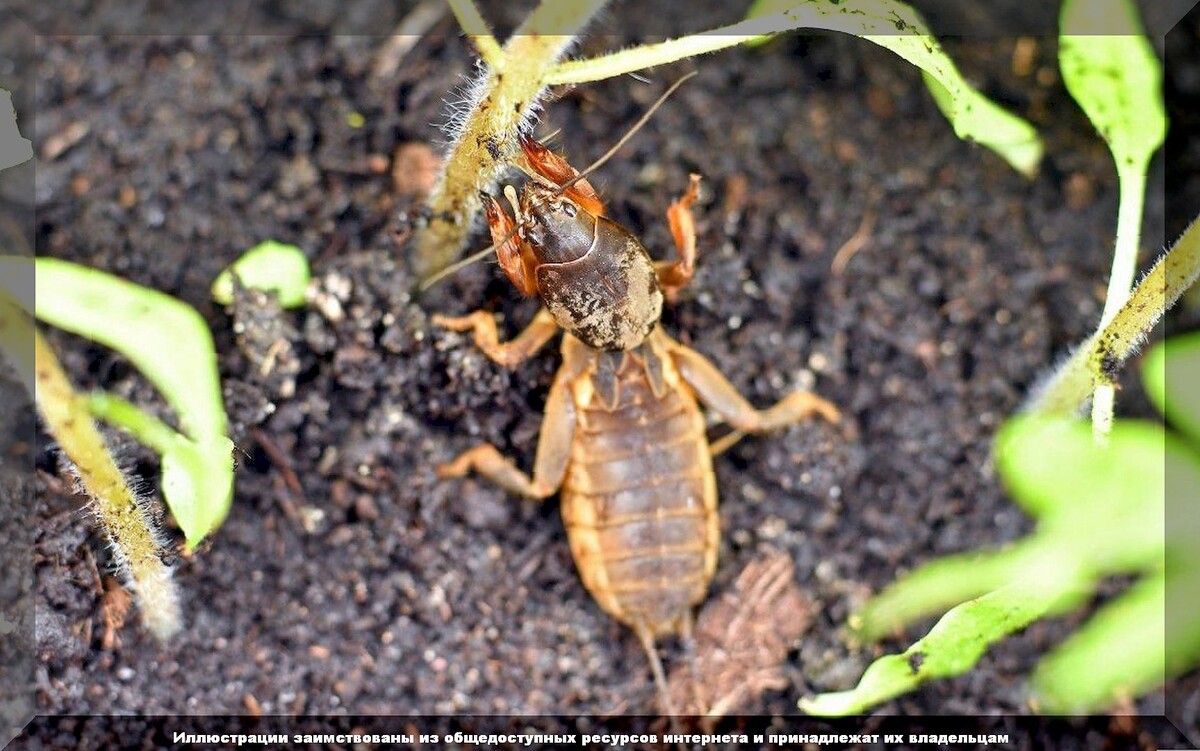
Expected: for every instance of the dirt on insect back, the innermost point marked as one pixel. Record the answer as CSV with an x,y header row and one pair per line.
x,y
848,243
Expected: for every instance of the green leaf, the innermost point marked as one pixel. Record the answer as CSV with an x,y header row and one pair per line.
x,y
934,587
951,647
1170,375
170,344
1102,505
1118,653
1111,70
270,266
192,472
949,581
899,28
1100,511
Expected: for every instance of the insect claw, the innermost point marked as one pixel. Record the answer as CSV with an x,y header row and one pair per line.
x,y
450,469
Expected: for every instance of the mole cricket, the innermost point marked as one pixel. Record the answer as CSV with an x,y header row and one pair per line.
x,y
623,439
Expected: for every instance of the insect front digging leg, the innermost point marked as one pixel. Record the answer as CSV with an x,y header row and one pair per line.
x,y
674,275
719,395
553,451
551,167
512,353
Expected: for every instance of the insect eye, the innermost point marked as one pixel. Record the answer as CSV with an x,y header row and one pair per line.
x,y
535,234
568,208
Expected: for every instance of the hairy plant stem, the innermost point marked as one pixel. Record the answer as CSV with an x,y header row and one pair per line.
x,y
137,547
1097,361
504,98
503,102
476,28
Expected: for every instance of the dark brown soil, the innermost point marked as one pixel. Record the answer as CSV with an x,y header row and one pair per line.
x,y
372,588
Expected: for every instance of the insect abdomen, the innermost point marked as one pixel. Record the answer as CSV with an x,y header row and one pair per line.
x,y
640,504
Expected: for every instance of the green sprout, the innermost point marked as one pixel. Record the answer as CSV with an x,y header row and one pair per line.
x,y
168,342
503,101
1100,509
1110,69
1100,495
129,524
270,266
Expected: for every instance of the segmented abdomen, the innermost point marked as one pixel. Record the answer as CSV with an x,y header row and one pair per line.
x,y
640,504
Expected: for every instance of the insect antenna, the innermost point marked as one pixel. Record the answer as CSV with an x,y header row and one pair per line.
x,y
660,679
457,266
687,635
628,134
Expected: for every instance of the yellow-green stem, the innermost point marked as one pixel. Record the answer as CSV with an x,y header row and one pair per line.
x,y
649,55
477,29
1129,219
887,23
136,545
505,101
1100,357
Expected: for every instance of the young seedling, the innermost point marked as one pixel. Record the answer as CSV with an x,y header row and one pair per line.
x,y
169,343
270,266
1110,69
502,102
137,544
1101,511
1099,495
256,290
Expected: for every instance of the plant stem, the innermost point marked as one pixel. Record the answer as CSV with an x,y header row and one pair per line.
x,y
136,544
1132,181
887,23
501,103
648,55
1101,356
477,29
